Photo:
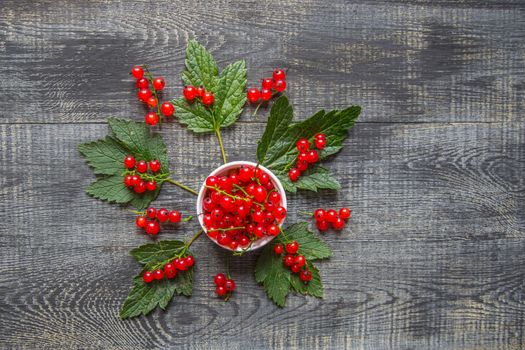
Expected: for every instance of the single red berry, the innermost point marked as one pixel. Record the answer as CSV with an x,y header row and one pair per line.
x,y
331,215
260,194
212,181
275,198
189,92
151,118
142,166
319,214
227,203
253,95
159,83
148,277
278,249
154,165
229,285
322,225
259,231
280,85
217,214
320,143
246,173
233,245
294,174
279,213
302,145
129,161
258,216
152,228
208,220
278,74
190,261
263,178
296,268
141,221
273,230
219,279
170,271
152,102
266,94
144,94
338,224
208,205
140,187
244,241
225,183
135,179
300,260
151,185
267,83
151,213
312,157
175,216
200,91
220,291
292,247
158,274
137,72
289,260
302,157
344,213
301,165
163,214
320,136
180,264
305,275
207,98
128,181
167,109
142,83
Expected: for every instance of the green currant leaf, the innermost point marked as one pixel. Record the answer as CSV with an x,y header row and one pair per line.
x,y
201,69
104,156
111,189
276,149
153,253
276,279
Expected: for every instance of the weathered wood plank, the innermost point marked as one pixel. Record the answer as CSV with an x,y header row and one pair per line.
x,y
438,61
433,259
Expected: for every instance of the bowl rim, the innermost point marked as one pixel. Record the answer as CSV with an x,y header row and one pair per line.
x,y
228,166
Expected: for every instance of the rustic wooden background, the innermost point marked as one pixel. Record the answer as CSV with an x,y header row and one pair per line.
x,y
434,171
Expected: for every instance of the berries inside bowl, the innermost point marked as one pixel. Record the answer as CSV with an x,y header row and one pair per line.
x,y
241,206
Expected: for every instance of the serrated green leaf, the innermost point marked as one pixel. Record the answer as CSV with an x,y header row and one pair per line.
x,y
230,96
276,149
276,279
153,253
104,156
201,69
111,189
197,118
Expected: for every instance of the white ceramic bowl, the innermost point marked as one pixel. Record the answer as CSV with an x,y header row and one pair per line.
x,y
223,170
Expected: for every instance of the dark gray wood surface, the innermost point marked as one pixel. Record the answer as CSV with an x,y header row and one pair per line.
x,y
434,171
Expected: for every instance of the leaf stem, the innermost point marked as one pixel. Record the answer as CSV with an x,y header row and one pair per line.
x,y
176,183
306,213
223,152
256,109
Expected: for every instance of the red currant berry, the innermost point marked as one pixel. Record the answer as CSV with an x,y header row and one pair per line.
x,y
296,268
140,187
302,145
175,216
159,83
279,213
189,92
167,109
200,91
305,275
151,185
212,181
331,215
151,118
322,225
152,102
253,95
142,83
275,197
151,213
227,203
224,239
289,260
319,214
208,220
207,99
260,194
302,157
300,260
217,214
190,261
219,279
273,230
163,214
259,231
319,136
301,165
148,277
142,166
220,291
246,173
258,216
233,245
137,72
154,165
158,274
267,83
208,205
225,183
279,74
129,161
229,285
280,85
144,94
244,241
152,228
141,221
128,181
338,224
180,264
266,94
170,271
292,247
243,211
294,174
312,157
135,179
278,249
344,213
250,228
320,143
264,179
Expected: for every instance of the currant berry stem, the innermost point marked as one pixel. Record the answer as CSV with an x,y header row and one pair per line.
x,y
223,152
257,109
176,183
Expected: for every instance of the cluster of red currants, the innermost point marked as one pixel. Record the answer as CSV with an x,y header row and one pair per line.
x,y
277,83
149,94
133,178
191,93
295,262
170,269
224,286
306,155
325,218
242,207
152,226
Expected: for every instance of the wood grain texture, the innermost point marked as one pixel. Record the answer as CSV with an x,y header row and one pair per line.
x,y
434,172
